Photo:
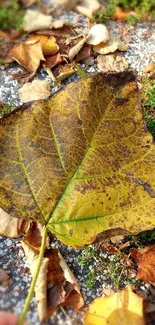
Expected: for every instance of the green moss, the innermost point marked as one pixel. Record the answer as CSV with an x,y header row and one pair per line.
x,y
91,279
132,20
101,16
11,16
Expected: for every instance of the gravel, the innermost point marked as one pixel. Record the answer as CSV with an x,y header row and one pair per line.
x,y
140,51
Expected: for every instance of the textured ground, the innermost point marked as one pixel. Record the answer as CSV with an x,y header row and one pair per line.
x,y
141,49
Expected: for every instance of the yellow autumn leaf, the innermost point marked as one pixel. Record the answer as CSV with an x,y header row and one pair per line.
x,y
121,308
81,162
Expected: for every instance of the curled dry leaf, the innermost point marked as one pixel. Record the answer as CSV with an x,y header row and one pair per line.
x,y
111,46
123,307
97,34
56,286
111,63
37,89
28,55
35,20
83,162
48,44
87,7
145,259
76,49
11,227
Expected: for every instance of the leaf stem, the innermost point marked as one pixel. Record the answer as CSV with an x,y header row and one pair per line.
x,y
34,279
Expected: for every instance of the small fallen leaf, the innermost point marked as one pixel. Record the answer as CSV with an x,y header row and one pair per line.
x,y
97,34
120,14
123,308
37,89
76,49
48,44
4,278
56,286
12,227
52,61
145,259
27,55
149,68
84,53
35,20
111,63
87,7
111,46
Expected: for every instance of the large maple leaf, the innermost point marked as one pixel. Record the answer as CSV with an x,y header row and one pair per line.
x,y
81,162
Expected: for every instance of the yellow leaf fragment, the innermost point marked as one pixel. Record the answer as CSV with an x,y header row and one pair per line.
x,y
28,55
35,90
48,44
112,45
123,308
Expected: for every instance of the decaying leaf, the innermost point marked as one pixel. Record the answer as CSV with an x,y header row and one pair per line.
x,y
35,20
37,89
81,162
111,46
123,308
111,63
97,34
48,44
28,55
52,61
87,7
56,286
76,49
11,227
145,259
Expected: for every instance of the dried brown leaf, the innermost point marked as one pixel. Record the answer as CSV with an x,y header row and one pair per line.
x,y
11,227
145,259
27,55
37,89
4,278
52,61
